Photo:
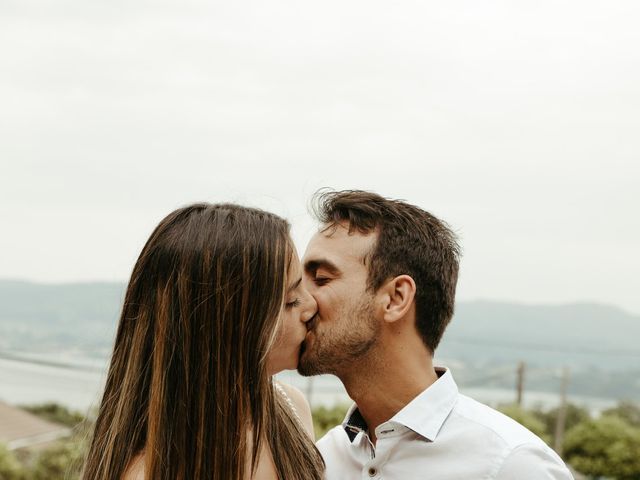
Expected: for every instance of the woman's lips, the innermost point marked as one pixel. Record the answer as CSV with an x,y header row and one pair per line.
x,y
311,324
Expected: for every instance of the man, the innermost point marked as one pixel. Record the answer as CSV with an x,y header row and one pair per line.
x,y
384,275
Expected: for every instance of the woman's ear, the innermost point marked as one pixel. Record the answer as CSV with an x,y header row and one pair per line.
x,y
399,293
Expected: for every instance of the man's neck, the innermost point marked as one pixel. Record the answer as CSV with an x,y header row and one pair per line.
x,y
383,388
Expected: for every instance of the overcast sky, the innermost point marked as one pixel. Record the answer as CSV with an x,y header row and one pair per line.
x,y
516,122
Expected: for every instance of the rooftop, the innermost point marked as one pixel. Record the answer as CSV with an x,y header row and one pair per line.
x,y
21,429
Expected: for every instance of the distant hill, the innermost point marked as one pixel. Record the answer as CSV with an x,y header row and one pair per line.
x,y
582,335
50,318
47,318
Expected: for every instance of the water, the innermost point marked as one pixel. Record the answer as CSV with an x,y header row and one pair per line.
x,y
79,386
26,383
328,391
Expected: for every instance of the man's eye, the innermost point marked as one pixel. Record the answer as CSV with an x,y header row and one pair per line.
x,y
321,280
293,304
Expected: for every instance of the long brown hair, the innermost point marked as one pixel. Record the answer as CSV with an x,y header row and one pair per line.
x,y
188,383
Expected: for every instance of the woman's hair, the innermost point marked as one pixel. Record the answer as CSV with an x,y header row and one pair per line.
x,y
188,383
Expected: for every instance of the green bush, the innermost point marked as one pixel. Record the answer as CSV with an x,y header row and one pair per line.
x,y
627,411
324,419
10,468
574,416
528,419
62,461
56,413
607,447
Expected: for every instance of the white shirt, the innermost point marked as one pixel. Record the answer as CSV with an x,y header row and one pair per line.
x,y
439,435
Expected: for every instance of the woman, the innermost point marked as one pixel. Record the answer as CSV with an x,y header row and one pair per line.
x,y
213,309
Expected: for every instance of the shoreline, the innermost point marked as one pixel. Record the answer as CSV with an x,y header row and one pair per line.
x,y
29,380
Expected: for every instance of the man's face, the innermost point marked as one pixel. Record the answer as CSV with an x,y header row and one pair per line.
x,y
335,274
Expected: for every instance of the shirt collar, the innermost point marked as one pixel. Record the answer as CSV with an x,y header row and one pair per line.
x,y
425,414
354,423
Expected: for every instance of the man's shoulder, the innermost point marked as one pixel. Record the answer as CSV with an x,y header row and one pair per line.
x,y
521,451
473,416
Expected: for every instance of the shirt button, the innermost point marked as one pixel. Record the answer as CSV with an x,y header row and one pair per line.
x,y
372,472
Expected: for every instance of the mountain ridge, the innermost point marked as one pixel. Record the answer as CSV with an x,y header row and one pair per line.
x,y
85,314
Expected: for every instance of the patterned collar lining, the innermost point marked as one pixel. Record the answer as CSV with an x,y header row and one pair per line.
x,y
355,424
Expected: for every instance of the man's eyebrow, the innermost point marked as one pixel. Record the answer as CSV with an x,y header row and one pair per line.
x,y
311,266
294,285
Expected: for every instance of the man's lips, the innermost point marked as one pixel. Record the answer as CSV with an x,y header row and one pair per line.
x,y
311,324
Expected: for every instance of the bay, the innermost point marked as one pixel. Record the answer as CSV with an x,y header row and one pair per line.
x,y
78,384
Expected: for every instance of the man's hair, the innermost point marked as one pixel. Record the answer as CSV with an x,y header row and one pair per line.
x,y
410,242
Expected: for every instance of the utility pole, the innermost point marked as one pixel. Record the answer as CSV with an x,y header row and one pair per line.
x,y
562,412
520,383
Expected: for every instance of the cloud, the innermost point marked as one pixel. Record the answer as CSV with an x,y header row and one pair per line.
x,y
517,122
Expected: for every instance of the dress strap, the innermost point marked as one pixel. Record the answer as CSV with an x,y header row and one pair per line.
x,y
288,400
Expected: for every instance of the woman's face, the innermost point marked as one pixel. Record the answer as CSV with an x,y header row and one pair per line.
x,y
299,307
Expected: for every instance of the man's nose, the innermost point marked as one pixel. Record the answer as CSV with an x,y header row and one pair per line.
x,y
310,307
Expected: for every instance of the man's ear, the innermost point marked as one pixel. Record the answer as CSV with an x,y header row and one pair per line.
x,y
399,293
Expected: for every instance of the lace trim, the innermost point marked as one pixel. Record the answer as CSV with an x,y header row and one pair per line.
x,y
289,402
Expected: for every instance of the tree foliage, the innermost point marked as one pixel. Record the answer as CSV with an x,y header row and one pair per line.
x,y
10,468
324,419
574,416
606,447
528,419
62,461
56,413
627,411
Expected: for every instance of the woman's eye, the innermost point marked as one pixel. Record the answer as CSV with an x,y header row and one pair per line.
x,y
293,304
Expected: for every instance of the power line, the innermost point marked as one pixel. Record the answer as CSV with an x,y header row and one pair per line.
x,y
48,363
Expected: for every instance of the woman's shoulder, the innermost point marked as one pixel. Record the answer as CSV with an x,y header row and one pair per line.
x,y
300,405
135,470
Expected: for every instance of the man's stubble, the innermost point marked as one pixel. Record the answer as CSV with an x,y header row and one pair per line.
x,y
342,345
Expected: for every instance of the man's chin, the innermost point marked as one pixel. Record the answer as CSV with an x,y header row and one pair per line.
x,y
305,371
306,368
